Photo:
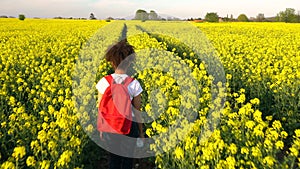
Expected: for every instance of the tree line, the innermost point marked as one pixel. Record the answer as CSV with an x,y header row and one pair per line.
x,y
288,16
152,15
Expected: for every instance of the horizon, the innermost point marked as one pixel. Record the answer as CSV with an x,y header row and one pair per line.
x,y
103,9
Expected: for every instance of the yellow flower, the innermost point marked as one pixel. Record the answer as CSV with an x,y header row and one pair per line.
x,y
269,161
231,162
255,151
258,131
233,148
279,144
269,118
257,115
294,151
297,132
149,132
250,124
272,134
276,125
179,154
204,167
241,99
8,165
90,128
45,164
19,152
42,136
3,124
202,66
12,101
51,145
235,94
30,161
64,158
255,101
244,150
228,76
284,134
268,144
34,144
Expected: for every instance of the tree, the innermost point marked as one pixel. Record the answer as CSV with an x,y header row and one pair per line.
x,y
58,17
92,16
153,15
212,17
226,19
141,15
289,15
22,17
231,17
243,18
260,17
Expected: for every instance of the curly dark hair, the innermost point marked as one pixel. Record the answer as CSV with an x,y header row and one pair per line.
x,y
118,52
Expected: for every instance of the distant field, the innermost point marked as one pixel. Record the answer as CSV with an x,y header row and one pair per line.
x,y
260,122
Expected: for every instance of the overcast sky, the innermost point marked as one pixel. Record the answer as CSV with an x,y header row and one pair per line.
x,y
124,8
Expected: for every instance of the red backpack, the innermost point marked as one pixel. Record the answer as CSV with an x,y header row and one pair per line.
x,y
114,112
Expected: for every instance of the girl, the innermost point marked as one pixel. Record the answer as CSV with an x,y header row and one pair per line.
x,y
118,55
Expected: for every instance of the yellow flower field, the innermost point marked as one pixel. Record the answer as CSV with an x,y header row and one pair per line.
x,y
259,124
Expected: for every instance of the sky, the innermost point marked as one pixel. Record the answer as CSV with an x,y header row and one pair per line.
x,y
125,8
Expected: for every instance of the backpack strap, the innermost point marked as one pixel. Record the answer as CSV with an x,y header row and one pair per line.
x,y
128,80
109,79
